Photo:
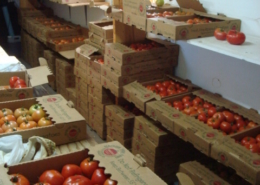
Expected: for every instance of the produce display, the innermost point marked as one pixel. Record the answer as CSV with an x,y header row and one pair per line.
x,y
167,14
67,41
167,88
200,20
144,46
224,120
87,173
251,143
232,36
23,118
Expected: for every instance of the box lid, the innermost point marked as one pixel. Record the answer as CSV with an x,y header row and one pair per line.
x,y
191,4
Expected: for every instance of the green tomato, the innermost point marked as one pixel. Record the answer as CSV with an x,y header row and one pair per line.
x,y
33,108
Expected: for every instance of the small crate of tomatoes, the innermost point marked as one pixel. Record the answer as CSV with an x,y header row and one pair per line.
x,y
48,116
241,152
103,164
14,86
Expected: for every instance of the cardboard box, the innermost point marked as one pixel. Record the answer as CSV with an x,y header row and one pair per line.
x,y
119,114
199,174
108,84
83,98
115,124
124,133
113,134
81,73
84,113
93,37
96,115
106,100
103,28
69,125
100,48
112,161
230,153
82,105
103,94
145,66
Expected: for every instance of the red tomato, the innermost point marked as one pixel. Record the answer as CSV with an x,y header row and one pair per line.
x,y
248,140
197,101
52,176
186,99
179,107
219,115
238,117
99,177
236,38
110,182
202,110
211,111
258,138
188,104
88,167
162,89
229,116
170,93
163,94
234,128
203,117
70,170
226,127
150,87
251,124
207,105
77,180
169,103
171,88
18,179
190,111
240,123
158,85
12,81
220,34
212,121
19,82
42,183
166,84
253,147
20,86
177,102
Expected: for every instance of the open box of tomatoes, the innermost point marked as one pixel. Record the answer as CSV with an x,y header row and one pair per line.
x,y
48,116
202,118
112,164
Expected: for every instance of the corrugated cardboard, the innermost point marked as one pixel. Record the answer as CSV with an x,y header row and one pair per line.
x,y
117,113
113,156
69,125
199,174
115,124
93,37
103,28
82,97
115,135
108,84
106,100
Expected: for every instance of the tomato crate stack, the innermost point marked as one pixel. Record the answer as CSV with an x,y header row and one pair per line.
x,y
64,76
92,97
100,33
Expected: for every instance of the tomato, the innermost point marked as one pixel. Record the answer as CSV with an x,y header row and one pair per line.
x,y
219,115
162,89
253,147
167,13
5,112
220,34
236,38
177,102
14,129
70,170
241,129
12,81
229,116
226,127
20,86
88,166
248,140
163,94
34,108
42,183
240,123
251,125
166,84
28,124
170,93
9,124
101,61
38,114
23,118
77,180
207,105
188,104
186,99
52,176
171,88
1,130
19,82
7,118
234,128
172,83
203,117
211,111
197,101
151,87
211,122
238,117
258,138
18,179
202,110
190,111
20,111
179,107
158,85
45,121
110,182
99,177
169,103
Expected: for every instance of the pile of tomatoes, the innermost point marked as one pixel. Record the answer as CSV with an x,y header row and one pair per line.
x,y
228,122
62,28
167,14
167,88
67,41
144,46
22,119
251,143
87,173
199,20
16,82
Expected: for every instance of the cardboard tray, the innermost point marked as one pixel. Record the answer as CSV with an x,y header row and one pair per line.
x,y
69,125
103,29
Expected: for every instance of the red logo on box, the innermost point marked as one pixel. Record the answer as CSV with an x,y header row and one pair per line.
x,y
73,133
51,100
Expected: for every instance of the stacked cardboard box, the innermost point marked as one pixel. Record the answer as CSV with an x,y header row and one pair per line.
x,y
92,97
32,49
51,56
64,76
120,124
158,147
124,65
100,33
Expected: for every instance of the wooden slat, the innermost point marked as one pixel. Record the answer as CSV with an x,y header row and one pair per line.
x,y
127,34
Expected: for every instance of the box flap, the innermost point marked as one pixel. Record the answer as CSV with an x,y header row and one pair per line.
x,y
57,108
42,71
4,177
119,162
86,50
184,179
191,4
70,54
